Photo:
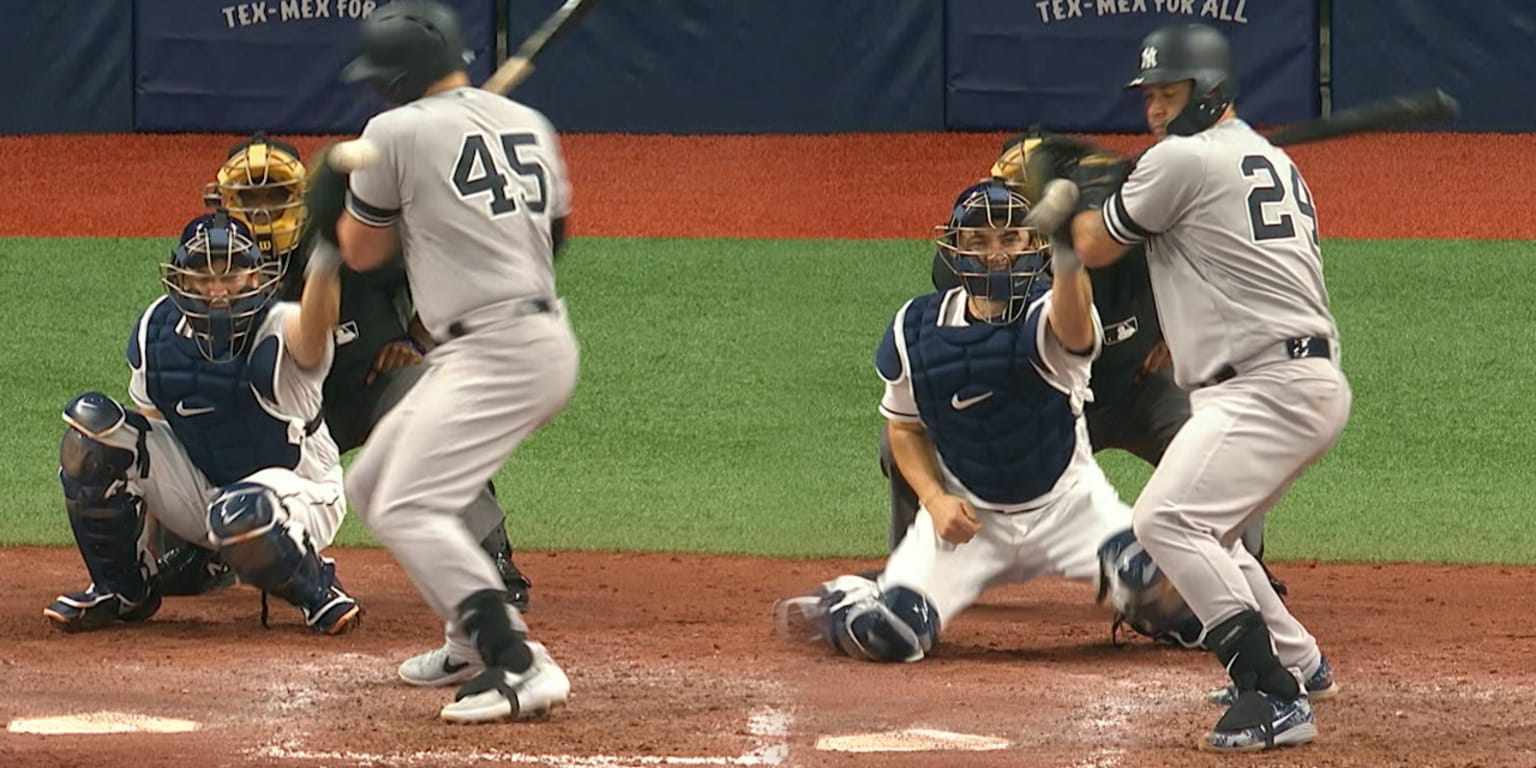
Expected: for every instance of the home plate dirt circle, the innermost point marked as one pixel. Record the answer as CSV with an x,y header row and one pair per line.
x,y
911,740
99,722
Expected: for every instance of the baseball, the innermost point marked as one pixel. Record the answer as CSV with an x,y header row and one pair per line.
x,y
348,156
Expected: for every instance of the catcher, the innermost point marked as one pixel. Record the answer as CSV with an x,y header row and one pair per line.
x,y
379,346
984,388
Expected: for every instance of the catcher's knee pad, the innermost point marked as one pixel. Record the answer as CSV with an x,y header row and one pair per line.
x,y
106,516
1141,594
247,526
898,624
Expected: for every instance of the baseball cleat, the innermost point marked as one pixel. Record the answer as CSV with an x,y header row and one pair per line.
x,y
498,693
1319,686
439,667
84,611
336,613
1283,724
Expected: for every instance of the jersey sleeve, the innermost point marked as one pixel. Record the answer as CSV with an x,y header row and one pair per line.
x,y
373,192
1161,188
295,390
138,385
1067,370
898,403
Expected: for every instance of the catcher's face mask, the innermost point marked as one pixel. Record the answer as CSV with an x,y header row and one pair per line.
x,y
262,185
222,283
996,257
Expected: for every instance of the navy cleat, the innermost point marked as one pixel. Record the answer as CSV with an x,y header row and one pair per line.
x,y
333,612
88,610
1319,686
1282,724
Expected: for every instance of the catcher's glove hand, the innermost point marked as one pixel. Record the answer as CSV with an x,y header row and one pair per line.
x,y
1096,171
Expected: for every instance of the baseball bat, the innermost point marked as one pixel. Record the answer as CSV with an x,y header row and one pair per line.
x,y
1399,112
519,65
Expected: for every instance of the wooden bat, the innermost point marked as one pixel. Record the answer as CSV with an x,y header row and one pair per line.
x,y
1399,112
519,65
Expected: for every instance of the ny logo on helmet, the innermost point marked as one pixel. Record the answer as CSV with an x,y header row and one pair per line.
x,y
1148,57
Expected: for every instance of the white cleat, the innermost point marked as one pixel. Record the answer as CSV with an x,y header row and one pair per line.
x,y
438,668
498,694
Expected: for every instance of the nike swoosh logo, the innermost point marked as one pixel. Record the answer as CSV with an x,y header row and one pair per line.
x,y
183,410
961,405
451,668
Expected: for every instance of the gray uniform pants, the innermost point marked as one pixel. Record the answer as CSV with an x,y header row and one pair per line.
x,y
483,394
1246,442
351,424
1144,425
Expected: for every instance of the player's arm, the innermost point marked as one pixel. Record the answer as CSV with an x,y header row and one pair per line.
x,y
1158,192
366,230
138,382
308,331
1071,311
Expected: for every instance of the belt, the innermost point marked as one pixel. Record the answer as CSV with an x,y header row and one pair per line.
x,y
1293,349
523,308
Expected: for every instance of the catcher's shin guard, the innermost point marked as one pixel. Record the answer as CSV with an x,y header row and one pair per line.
x,y
103,444
258,546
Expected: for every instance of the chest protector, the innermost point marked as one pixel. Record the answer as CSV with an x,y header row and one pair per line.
x,y
213,407
1000,427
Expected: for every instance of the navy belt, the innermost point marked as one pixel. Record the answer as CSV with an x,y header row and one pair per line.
x,y
526,307
1295,349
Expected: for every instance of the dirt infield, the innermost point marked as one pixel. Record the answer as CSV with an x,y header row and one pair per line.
x,y
673,662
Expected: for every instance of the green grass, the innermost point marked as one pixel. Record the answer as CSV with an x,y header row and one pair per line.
x,y
727,399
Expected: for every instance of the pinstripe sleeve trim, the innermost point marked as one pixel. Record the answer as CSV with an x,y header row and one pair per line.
x,y
371,215
1118,221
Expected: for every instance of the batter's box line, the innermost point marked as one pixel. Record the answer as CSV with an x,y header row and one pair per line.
x,y
768,726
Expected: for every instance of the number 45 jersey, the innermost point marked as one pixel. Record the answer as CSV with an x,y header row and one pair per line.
x,y
474,180
1232,246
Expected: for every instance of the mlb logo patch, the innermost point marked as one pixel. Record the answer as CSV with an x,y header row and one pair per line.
x,y
346,333
1114,334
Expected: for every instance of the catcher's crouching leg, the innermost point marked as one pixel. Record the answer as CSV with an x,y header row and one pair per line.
x,y
856,618
253,537
104,442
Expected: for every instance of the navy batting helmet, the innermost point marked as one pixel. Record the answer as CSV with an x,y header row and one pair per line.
x,y
1196,52
407,46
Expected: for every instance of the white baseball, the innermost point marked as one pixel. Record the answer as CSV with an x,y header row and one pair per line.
x,y
348,156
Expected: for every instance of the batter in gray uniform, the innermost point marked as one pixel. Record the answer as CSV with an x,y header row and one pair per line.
x,y
1232,248
473,187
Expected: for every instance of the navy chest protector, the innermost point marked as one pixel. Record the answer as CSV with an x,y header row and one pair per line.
x,y
213,407
1000,427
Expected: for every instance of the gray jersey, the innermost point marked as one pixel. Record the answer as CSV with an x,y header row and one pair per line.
x,y
1231,246
474,180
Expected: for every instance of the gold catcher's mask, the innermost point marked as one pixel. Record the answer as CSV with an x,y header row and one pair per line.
x,y
262,185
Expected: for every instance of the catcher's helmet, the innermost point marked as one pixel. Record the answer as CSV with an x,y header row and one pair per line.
x,y
407,46
262,184
987,222
222,283
1195,52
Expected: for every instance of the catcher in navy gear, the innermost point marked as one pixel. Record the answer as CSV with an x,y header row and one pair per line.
x,y
224,444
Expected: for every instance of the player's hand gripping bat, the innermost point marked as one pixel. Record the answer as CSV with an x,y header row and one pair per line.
x,y
519,65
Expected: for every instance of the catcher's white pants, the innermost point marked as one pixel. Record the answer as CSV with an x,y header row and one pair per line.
x,y
1061,539
177,495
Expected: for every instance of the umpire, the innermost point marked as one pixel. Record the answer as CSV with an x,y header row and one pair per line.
x,y
379,345
1136,406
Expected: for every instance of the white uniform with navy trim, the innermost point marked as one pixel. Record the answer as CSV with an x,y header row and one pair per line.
x,y
1057,533
1233,252
177,495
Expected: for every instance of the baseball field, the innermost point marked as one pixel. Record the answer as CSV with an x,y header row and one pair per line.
x,y
720,452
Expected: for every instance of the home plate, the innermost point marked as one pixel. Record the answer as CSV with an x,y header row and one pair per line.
x,y
911,740
99,722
